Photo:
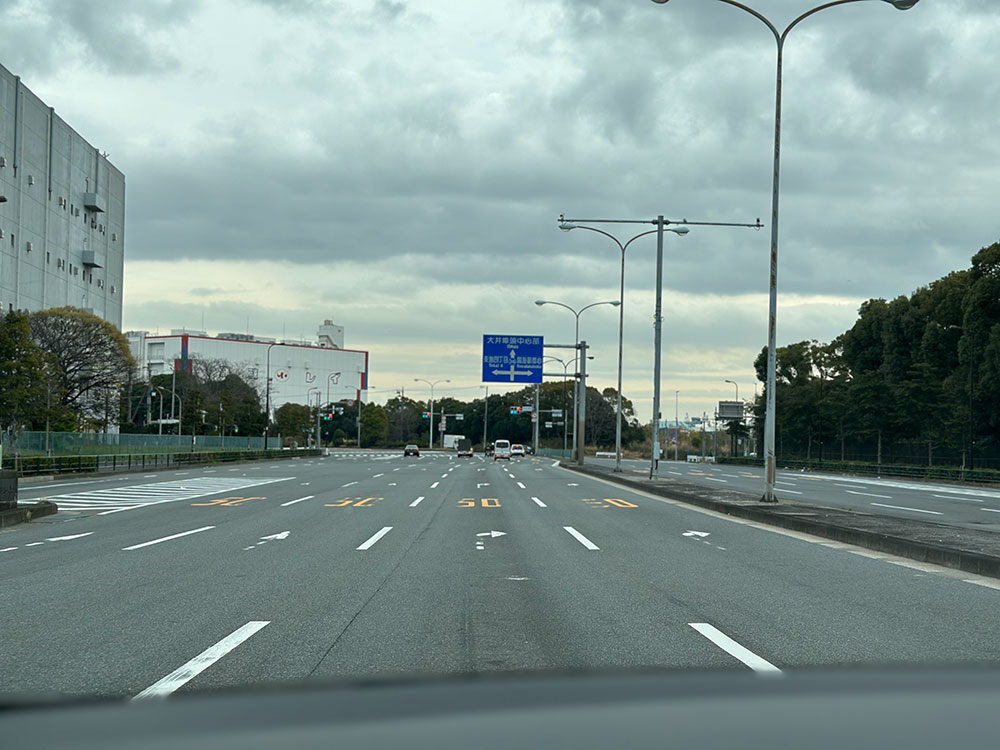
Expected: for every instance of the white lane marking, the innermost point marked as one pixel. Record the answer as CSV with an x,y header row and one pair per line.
x,y
153,476
416,502
870,494
580,538
521,485
375,537
184,674
8,549
554,465
713,479
34,544
791,492
348,484
292,502
167,538
849,486
435,485
734,476
67,538
990,510
732,648
444,476
675,472
376,476
778,481
953,497
903,507
539,503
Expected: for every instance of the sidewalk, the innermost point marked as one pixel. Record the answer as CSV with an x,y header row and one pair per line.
x,y
954,547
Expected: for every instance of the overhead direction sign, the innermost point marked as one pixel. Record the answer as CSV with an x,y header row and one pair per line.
x,y
512,359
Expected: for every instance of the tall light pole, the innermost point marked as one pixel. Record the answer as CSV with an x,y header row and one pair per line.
x,y
580,397
661,226
565,366
737,387
430,436
267,391
621,319
319,395
779,37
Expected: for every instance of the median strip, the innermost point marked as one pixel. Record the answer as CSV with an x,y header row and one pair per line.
x,y
167,538
184,674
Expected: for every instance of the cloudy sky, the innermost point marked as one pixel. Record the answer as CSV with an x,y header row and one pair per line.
x,y
399,166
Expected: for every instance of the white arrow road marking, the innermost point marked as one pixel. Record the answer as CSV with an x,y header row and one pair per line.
x,y
67,538
732,648
272,537
492,534
201,662
696,533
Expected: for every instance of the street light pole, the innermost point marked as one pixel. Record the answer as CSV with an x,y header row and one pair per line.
x,y
779,37
677,426
580,393
430,436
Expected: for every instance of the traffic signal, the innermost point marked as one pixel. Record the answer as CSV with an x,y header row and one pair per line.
x,y
236,429
515,410
427,415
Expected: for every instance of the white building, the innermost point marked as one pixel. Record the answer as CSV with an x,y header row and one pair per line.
x,y
298,370
62,212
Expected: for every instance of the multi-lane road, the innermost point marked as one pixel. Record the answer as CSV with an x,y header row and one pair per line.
x,y
372,565
953,504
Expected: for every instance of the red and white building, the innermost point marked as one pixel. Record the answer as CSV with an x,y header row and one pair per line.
x,y
298,370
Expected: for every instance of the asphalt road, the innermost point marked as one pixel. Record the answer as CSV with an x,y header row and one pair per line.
x,y
367,566
953,504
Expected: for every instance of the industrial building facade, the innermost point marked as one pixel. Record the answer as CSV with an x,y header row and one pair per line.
x,y
300,372
62,212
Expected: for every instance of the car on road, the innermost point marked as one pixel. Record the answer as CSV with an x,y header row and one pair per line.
x,y
464,448
411,450
517,450
501,449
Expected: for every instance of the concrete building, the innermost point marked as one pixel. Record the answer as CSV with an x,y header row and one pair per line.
x,y
62,220
298,370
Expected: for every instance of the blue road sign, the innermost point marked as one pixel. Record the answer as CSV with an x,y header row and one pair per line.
x,y
512,359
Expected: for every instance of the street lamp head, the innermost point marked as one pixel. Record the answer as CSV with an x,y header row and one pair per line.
x,y
616,302
660,2
566,227
897,4
540,302
680,230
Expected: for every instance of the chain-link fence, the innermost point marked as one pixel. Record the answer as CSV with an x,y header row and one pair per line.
x,y
96,443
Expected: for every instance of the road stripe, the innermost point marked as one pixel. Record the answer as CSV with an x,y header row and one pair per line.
x,y
167,538
581,538
539,503
416,502
292,502
790,492
870,494
348,484
732,648
435,485
675,472
903,507
990,510
376,476
713,479
778,481
955,497
521,485
375,537
201,662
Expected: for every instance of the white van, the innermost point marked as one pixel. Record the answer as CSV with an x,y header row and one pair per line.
x,y
501,449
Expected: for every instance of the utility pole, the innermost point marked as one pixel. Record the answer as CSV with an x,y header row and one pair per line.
x,y
581,403
534,417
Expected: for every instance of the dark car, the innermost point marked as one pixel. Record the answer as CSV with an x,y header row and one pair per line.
x,y
411,450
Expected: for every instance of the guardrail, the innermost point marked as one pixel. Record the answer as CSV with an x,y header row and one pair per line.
x,y
940,473
27,466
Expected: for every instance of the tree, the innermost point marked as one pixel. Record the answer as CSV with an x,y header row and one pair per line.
x,y
293,421
374,426
92,359
22,374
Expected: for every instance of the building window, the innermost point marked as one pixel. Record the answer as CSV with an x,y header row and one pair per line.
x,y
48,257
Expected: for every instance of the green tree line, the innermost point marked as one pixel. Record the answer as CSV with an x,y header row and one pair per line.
x,y
915,380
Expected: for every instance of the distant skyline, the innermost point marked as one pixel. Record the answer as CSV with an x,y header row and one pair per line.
x,y
399,167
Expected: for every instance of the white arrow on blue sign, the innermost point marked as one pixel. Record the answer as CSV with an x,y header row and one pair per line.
x,y
512,359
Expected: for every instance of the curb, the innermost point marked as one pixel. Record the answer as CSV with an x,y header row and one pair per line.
x,y
25,513
969,561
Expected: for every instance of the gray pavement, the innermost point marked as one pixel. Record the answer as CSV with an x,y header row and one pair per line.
x,y
374,565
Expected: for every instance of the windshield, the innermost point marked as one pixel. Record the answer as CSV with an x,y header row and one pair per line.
x,y
374,339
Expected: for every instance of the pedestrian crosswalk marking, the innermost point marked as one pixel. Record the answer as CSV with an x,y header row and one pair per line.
x,y
137,496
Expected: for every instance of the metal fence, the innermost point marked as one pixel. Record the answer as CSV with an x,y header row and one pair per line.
x,y
94,443
104,463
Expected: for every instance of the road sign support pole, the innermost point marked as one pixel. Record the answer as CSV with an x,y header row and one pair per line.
x,y
538,387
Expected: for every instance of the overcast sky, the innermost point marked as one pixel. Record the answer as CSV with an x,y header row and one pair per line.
x,y
399,167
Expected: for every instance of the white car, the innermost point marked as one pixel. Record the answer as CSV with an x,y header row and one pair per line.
x,y
517,450
501,449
